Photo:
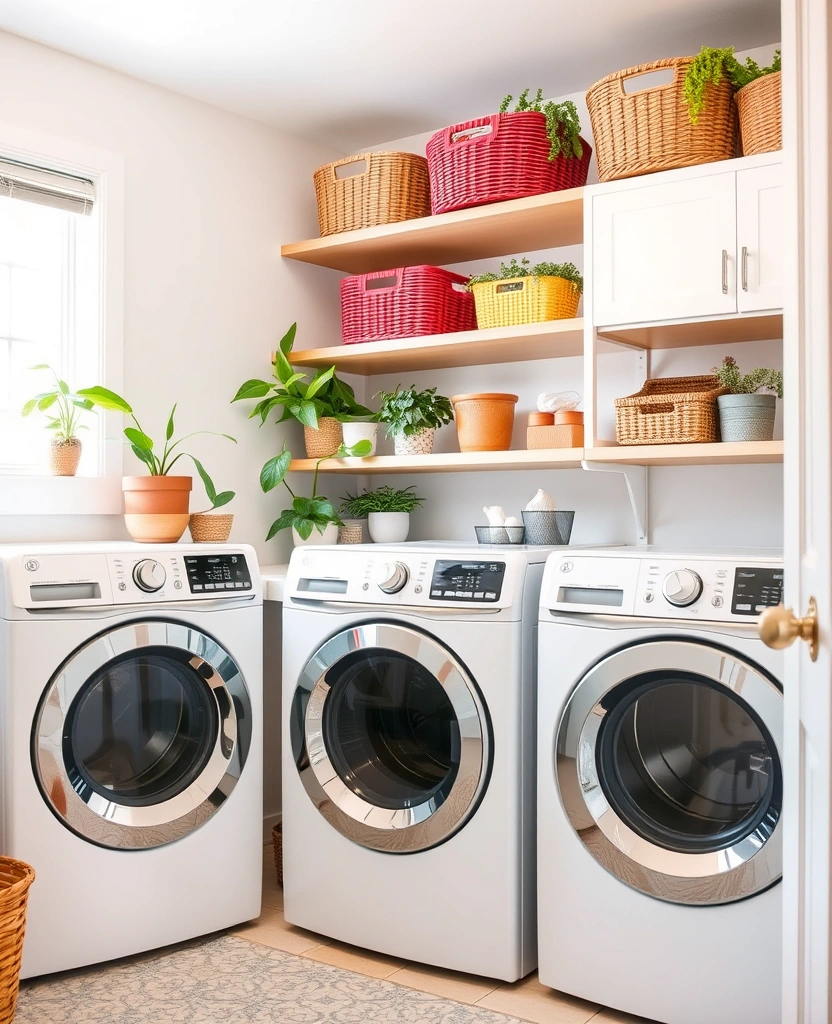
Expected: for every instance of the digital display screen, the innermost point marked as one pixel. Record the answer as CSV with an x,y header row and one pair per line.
x,y
478,582
217,572
756,589
591,595
312,586
65,591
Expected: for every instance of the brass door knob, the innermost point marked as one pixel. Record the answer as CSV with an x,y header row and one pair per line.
x,y
779,628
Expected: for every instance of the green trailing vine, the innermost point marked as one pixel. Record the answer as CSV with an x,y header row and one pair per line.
x,y
709,67
729,376
513,269
563,125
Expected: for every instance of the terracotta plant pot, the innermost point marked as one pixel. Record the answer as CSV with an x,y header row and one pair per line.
x,y
64,456
156,507
484,422
326,440
210,527
420,443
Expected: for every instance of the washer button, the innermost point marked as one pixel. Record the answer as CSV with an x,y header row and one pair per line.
x,y
177,584
648,596
122,585
717,601
31,564
417,589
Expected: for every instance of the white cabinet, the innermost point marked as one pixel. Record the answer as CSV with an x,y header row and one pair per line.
x,y
693,245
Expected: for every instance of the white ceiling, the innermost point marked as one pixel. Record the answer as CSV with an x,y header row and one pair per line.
x,y
351,73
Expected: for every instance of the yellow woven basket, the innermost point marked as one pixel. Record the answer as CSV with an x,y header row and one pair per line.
x,y
760,109
524,300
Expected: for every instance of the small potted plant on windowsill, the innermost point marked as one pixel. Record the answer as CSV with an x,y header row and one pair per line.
x,y
321,405
211,526
744,413
386,510
412,418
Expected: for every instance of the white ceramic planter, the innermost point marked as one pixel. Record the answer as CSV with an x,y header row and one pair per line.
x,y
747,417
355,432
389,527
329,536
414,444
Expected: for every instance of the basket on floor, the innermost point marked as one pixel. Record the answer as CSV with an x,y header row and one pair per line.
x,y
759,105
277,843
524,300
650,130
670,410
371,188
15,880
496,158
405,303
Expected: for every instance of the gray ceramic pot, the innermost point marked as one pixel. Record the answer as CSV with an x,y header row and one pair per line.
x,y
747,417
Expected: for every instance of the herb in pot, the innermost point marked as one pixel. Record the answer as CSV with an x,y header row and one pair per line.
x,y
513,269
563,125
729,376
710,65
383,499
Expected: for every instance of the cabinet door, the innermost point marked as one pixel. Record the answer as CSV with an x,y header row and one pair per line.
x,y
760,238
665,252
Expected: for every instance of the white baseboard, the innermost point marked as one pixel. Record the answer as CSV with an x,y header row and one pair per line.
x,y
269,821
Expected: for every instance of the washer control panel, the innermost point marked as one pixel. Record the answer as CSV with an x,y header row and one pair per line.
x,y
467,581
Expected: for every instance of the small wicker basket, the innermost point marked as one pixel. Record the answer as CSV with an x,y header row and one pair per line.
x,y
524,300
670,410
210,527
760,109
650,130
277,843
388,188
15,881
324,441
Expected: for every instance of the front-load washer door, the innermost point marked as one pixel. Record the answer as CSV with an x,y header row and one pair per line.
x,y
668,765
390,737
142,734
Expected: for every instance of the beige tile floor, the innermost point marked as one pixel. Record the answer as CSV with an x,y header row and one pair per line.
x,y
527,999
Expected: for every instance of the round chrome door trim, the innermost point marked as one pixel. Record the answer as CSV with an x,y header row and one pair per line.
x,y
751,865
423,825
107,822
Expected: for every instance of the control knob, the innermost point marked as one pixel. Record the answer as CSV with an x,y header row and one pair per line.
x,y
682,588
391,577
149,575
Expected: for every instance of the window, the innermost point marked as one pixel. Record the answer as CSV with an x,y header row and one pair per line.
x,y
50,307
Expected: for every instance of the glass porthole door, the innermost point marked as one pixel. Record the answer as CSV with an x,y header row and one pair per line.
x,y
390,737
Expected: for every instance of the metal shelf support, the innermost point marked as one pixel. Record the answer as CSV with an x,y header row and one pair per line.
x,y
635,479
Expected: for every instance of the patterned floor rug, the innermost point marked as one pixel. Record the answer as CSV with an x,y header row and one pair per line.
x,y
227,980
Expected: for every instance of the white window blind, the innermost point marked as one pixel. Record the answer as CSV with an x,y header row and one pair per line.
x,y
47,188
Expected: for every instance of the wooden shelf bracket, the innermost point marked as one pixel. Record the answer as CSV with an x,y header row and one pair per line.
x,y
635,479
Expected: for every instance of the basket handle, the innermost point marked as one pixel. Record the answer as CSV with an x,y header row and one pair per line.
x,y
652,74
480,133
341,170
388,281
655,410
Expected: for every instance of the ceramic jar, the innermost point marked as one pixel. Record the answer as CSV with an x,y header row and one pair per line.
x,y
747,417
389,527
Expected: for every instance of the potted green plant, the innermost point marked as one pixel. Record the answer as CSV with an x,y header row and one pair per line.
x,y
321,405
563,123
211,526
312,520
412,418
744,413
387,511
525,294
64,409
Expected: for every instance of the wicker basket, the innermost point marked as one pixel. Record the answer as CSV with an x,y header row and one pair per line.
x,y
670,410
496,158
760,109
383,188
650,130
15,880
277,843
524,300
405,303
324,441
210,527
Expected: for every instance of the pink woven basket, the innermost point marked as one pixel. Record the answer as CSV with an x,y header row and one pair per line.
x,y
492,159
405,303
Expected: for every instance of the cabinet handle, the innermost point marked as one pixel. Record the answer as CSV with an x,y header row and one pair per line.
x,y
745,268
724,271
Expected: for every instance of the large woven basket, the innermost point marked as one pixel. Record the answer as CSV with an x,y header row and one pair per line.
x,y
759,106
524,300
670,410
371,188
650,130
15,880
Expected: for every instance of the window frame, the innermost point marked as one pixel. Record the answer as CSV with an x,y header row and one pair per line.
x,y
101,495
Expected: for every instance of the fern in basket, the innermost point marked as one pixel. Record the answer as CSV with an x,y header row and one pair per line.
x,y
563,124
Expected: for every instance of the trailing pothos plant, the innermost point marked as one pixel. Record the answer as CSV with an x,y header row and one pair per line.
x,y
305,514
710,65
563,124
296,396
513,269
759,379
408,411
65,407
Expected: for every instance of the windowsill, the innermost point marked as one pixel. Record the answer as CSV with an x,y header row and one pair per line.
x,y
59,496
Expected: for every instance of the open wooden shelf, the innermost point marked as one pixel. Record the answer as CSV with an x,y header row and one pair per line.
x,y
726,453
719,331
464,348
499,229
450,462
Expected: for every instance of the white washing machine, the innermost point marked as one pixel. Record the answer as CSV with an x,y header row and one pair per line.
x,y
131,680
660,721
408,772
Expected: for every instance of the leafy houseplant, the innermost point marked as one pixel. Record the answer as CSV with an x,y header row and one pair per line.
x,y
65,409
563,125
744,413
320,404
412,418
387,511
714,63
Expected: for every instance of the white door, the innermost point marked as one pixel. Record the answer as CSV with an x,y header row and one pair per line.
x,y
760,238
666,251
807,107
